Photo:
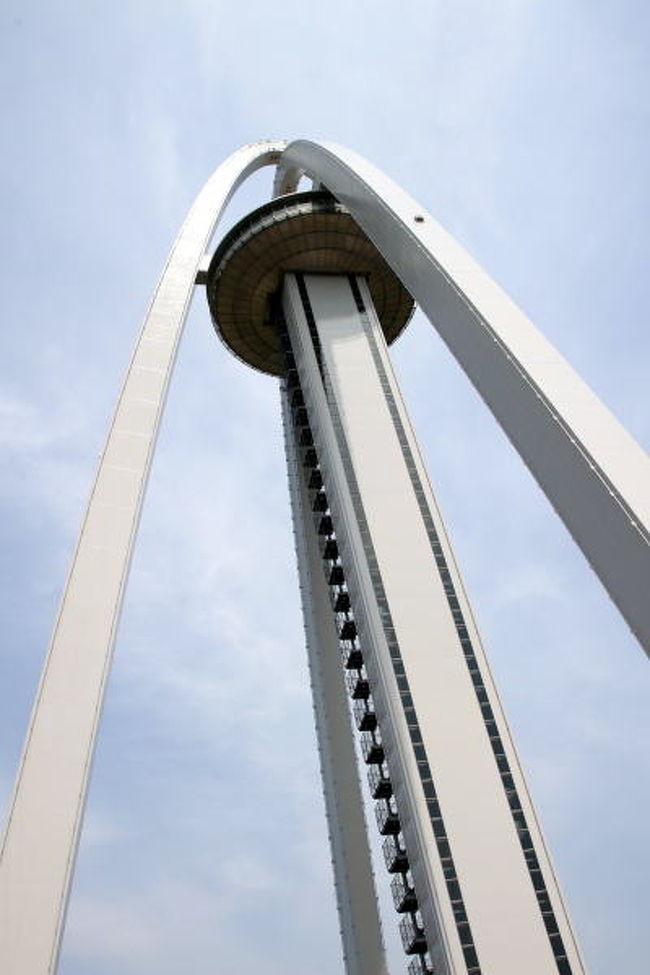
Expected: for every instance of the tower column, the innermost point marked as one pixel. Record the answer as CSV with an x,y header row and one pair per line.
x,y
586,463
40,842
361,936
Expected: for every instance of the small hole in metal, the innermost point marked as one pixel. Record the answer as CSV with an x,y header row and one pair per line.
x,y
418,218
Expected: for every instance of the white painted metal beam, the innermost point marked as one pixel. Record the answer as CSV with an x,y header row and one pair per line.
x,y
40,842
591,470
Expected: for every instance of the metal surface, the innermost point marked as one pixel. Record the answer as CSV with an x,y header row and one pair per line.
x,y
40,842
361,936
593,473
382,506
304,232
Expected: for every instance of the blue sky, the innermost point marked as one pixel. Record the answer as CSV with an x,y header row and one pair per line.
x,y
523,127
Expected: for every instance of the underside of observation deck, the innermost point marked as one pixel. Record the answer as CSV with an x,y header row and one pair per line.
x,y
308,232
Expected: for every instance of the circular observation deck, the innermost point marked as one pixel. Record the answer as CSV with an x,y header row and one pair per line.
x,y
308,232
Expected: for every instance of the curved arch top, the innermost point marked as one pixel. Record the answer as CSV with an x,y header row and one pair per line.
x,y
591,470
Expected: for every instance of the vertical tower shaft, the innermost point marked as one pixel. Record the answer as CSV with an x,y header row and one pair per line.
x,y
483,896
361,937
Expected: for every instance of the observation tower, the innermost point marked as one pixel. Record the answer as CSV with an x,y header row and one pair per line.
x,y
312,288
297,290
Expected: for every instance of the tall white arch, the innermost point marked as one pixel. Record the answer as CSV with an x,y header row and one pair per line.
x,y
45,815
591,470
588,466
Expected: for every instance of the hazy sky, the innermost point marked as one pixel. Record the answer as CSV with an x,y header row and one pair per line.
x,y
522,125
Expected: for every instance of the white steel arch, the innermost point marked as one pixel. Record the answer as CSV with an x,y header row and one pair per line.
x,y
45,815
590,469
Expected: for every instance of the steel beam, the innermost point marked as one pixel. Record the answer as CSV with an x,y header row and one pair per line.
x,y
594,474
42,832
